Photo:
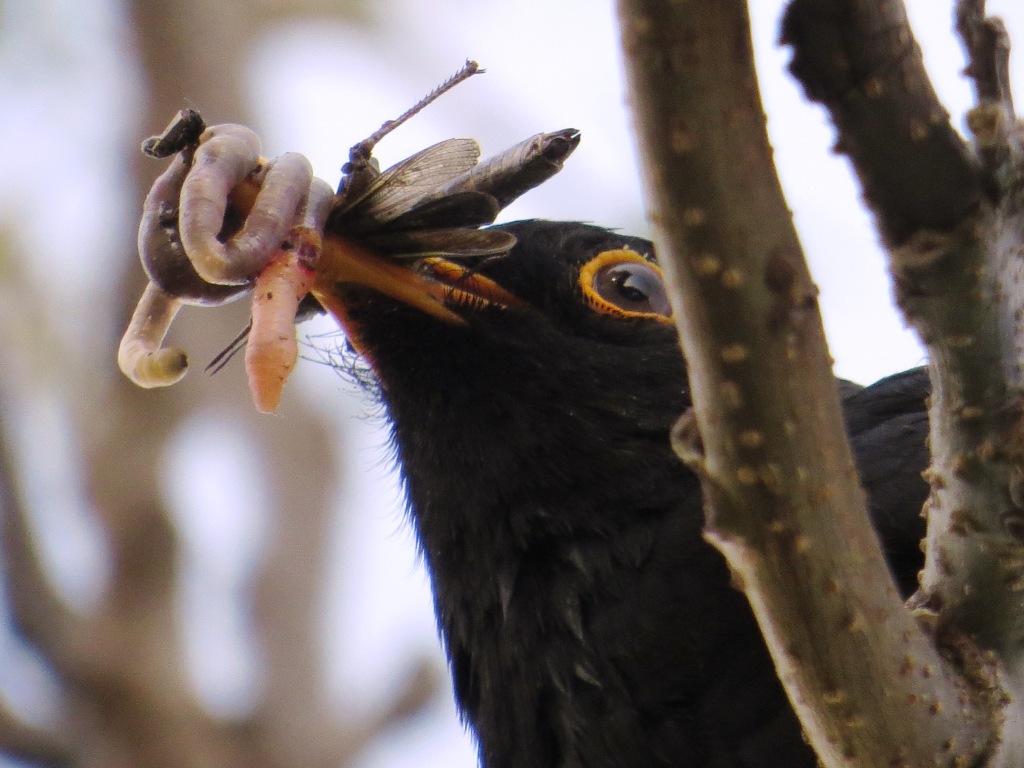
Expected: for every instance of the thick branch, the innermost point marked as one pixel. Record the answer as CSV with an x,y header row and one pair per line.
x,y
860,60
957,274
783,501
962,293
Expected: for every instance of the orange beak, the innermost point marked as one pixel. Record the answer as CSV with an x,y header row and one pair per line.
x,y
432,287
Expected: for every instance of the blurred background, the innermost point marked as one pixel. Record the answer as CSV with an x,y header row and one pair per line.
x,y
202,585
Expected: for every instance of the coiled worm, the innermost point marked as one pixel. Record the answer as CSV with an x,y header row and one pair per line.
x,y
186,214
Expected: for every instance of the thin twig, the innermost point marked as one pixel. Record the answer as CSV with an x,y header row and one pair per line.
x,y
992,121
987,44
861,61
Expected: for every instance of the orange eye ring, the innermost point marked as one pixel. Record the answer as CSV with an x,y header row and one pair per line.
x,y
623,283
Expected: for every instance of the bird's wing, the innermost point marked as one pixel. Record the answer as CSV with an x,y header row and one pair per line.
x,y
888,427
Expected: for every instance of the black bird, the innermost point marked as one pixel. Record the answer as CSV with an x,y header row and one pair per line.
x,y
586,621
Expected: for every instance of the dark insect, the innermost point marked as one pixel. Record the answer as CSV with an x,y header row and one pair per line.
x,y
182,133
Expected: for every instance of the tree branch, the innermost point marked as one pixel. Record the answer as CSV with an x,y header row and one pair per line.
x,y
781,491
957,274
861,61
294,718
992,121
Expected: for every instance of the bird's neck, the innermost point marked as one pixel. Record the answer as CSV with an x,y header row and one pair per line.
x,y
572,586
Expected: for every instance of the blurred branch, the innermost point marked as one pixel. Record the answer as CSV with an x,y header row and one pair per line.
x,y
412,695
295,715
39,613
296,718
333,743
41,746
861,61
345,11
36,608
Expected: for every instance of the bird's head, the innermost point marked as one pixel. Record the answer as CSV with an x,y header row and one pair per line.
x,y
583,280
554,368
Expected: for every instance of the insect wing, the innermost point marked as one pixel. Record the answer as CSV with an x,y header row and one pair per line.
x,y
449,243
461,209
404,184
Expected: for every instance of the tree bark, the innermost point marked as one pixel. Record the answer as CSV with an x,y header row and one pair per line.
x,y
782,498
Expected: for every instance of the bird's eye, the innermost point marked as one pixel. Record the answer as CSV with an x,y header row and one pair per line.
x,y
625,284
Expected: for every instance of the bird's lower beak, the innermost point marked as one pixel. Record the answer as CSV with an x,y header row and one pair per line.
x,y
432,285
